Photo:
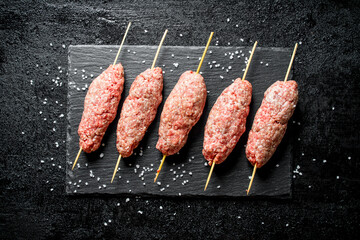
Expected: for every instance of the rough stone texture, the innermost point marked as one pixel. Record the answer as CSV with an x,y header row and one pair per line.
x,y
327,65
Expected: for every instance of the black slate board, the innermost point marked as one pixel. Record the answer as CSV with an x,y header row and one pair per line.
x,y
229,179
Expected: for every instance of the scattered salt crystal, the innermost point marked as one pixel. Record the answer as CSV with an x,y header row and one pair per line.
x,y
228,20
333,108
222,77
145,31
63,46
218,187
140,212
98,179
105,223
51,44
349,158
127,200
161,208
101,155
51,189
180,35
172,55
337,177
324,161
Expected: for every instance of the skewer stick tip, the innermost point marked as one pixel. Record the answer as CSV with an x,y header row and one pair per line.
x,y
291,62
252,179
210,173
76,159
116,168
204,53
158,171
158,50
250,58
122,43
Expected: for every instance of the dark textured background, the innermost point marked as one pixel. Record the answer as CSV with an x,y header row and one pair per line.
x,y
325,201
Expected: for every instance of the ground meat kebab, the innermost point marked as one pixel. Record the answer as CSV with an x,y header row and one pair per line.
x,y
182,110
100,107
139,110
271,121
227,121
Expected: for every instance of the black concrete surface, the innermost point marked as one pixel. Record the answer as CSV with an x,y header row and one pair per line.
x,y
35,36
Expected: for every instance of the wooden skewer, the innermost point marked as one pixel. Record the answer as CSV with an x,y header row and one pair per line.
x,y
116,168
122,43
248,65
246,70
251,181
158,50
291,62
286,77
153,65
201,61
77,158
161,164
117,55
204,53
210,173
